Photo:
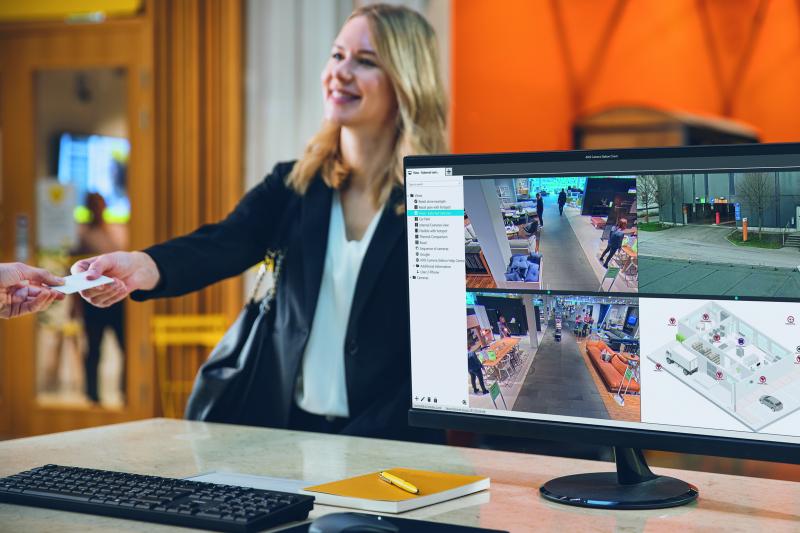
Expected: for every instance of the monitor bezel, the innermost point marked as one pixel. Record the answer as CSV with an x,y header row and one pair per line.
x,y
598,434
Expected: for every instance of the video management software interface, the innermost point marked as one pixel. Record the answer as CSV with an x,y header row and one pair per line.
x,y
665,299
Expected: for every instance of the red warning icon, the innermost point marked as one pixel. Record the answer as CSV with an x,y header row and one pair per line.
x,y
672,321
719,375
658,365
762,380
706,318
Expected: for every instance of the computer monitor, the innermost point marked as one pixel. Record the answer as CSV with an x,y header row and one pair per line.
x,y
660,297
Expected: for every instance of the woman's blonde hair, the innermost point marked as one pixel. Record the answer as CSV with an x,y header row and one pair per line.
x,y
407,51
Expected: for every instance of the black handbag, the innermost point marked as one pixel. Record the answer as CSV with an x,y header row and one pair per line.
x,y
232,386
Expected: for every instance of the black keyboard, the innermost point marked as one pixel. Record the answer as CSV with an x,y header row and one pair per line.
x,y
154,499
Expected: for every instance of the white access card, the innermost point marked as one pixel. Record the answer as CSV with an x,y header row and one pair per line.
x,y
78,282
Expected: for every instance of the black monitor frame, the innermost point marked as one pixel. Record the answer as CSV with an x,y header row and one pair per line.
x,y
765,450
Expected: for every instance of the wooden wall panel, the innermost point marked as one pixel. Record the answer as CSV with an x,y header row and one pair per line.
x,y
199,150
199,133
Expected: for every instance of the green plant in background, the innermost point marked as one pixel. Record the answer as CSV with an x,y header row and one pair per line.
x,y
679,337
652,226
767,240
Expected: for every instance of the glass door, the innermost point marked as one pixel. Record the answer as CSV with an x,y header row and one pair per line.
x,y
75,174
82,210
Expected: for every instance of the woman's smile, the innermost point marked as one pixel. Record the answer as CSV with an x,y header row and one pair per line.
x,y
341,96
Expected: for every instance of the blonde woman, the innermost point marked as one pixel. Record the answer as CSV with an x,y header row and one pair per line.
x,y
341,318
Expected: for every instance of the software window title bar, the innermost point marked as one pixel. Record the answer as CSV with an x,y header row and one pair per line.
x,y
632,166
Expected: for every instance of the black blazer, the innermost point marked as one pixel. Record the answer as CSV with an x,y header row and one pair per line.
x,y
376,350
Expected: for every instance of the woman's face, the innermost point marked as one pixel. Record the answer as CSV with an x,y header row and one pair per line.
x,y
356,91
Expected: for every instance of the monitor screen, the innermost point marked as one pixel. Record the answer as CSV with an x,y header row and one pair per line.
x,y
96,164
659,292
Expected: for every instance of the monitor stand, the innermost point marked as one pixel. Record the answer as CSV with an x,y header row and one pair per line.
x,y
632,486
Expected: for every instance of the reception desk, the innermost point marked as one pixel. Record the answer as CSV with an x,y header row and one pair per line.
x,y
178,448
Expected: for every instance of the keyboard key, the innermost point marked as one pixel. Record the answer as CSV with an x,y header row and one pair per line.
x,y
151,499
175,495
60,495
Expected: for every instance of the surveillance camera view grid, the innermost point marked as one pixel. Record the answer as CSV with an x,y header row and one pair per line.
x,y
553,338
702,364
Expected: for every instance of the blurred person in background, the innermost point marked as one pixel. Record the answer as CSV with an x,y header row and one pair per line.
x,y
25,289
341,306
96,238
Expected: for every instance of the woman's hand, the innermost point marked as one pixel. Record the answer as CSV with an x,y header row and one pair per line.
x,y
131,271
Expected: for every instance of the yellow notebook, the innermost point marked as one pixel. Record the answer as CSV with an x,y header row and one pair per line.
x,y
370,493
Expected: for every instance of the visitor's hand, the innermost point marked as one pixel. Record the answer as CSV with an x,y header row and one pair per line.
x,y
131,271
25,289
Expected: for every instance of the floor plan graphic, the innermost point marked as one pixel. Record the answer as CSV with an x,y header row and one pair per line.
x,y
737,367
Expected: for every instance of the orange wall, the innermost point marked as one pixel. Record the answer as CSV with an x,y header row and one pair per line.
x,y
511,85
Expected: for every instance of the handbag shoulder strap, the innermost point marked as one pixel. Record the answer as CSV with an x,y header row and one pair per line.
x,y
271,263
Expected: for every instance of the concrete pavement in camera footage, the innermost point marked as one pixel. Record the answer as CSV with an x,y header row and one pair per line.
x,y
700,260
708,244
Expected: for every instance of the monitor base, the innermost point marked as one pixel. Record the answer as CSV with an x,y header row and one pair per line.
x,y
632,486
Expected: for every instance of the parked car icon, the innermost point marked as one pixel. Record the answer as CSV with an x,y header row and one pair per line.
x,y
772,402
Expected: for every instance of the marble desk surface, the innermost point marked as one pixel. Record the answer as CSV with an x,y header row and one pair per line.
x,y
177,448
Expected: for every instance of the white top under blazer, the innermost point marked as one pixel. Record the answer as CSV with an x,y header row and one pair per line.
x,y
322,385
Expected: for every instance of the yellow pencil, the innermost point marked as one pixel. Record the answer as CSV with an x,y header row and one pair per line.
x,y
397,482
